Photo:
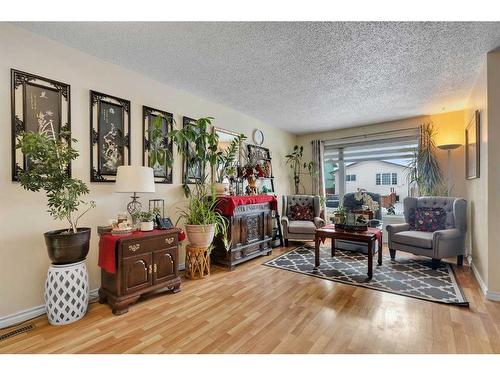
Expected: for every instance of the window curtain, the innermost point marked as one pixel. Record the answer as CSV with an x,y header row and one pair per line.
x,y
318,180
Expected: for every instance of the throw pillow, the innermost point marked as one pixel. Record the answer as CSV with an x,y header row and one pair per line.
x,y
430,219
300,212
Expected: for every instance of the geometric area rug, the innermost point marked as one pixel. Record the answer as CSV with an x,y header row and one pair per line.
x,y
411,277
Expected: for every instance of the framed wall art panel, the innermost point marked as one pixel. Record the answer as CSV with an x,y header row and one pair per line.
x,y
472,149
109,136
191,172
156,147
39,105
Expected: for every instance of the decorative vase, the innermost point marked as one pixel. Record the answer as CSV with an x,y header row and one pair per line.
x,y
66,247
200,235
147,226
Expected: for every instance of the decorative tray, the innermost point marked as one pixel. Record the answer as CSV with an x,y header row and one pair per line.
x,y
121,232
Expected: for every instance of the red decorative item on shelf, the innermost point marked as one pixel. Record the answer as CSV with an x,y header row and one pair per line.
x,y
181,236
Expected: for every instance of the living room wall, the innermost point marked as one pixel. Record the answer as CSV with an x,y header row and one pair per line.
x,y
24,219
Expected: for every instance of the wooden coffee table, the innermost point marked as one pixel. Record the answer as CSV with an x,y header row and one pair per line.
x,y
338,234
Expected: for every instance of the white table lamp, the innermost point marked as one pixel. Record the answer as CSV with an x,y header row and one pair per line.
x,y
134,179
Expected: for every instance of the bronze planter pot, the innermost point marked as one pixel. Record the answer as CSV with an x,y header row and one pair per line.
x,y
68,247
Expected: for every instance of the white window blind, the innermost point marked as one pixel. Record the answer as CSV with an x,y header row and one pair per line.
x,y
381,146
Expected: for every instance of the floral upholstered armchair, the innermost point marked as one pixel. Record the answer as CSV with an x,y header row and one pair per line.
x,y
300,217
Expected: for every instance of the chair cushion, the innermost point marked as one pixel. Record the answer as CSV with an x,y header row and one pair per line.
x,y
414,238
301,212
302,226
430,219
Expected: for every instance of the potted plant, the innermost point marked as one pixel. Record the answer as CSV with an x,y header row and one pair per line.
x,y
147,221
48,158
225,164
198,145
340,215
294,160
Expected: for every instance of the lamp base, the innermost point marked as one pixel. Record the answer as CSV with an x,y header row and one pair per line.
x,y
134,207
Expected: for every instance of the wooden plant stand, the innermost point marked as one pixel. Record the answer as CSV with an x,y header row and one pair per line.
x,y
197,262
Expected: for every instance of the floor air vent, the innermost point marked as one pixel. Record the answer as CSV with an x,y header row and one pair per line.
x,y
17,331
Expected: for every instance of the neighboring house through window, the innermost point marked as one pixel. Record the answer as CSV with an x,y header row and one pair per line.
x,y
350,177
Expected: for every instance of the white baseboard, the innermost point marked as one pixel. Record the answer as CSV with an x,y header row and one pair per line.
x,y
480,281
33,312
491,295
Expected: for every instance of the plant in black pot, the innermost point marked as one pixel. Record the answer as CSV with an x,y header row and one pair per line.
x,y
48,157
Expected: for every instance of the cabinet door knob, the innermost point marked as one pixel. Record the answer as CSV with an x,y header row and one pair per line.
x,y
150,269
169,240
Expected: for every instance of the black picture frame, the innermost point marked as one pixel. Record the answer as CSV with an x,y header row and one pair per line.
x,y
191,174
472,147
109,142
162,173
34,97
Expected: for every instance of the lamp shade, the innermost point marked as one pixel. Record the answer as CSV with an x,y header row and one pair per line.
x,y
134,179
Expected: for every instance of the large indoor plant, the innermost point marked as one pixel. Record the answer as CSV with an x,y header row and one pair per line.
x,y
424,167
198,145
48,157
294,160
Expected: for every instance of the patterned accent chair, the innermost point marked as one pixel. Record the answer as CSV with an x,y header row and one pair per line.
x,y
439,244
350,203
300,230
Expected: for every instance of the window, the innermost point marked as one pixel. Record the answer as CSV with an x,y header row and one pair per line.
x,y
350,177
386,178
394,178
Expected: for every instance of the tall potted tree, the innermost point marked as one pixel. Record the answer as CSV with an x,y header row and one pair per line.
x,y
48,158
198,145
294,160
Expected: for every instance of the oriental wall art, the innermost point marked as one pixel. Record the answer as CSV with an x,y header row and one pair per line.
x,y
156,147
39,105
109,136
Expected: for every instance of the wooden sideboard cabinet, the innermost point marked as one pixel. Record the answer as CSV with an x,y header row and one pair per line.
x,y
250,234
144,264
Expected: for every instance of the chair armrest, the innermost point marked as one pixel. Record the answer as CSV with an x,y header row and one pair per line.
x,y
447,234
395,228
319,222
285,222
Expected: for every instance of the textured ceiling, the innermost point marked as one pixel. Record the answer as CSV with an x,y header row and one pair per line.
x,y
303,77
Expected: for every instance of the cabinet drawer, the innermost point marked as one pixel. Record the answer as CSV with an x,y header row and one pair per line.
x,y
143,245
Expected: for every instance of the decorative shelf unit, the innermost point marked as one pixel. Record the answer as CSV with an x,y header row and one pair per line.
x,y
263,155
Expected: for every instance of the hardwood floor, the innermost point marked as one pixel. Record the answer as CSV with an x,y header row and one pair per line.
x,y
258,309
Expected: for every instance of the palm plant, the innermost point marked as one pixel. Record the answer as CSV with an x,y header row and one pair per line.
x,y
424,168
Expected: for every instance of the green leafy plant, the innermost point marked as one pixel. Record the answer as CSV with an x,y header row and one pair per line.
x,y
146,216
158,153
424,168
49,156
294,160
227,157
197,145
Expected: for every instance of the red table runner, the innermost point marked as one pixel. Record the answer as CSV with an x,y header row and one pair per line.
x,y
227,205
378,232
107,247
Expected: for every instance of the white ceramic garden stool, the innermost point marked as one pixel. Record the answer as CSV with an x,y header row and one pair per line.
x,y
66,292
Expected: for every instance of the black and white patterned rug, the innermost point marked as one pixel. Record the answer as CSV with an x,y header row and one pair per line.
x,y
411,277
